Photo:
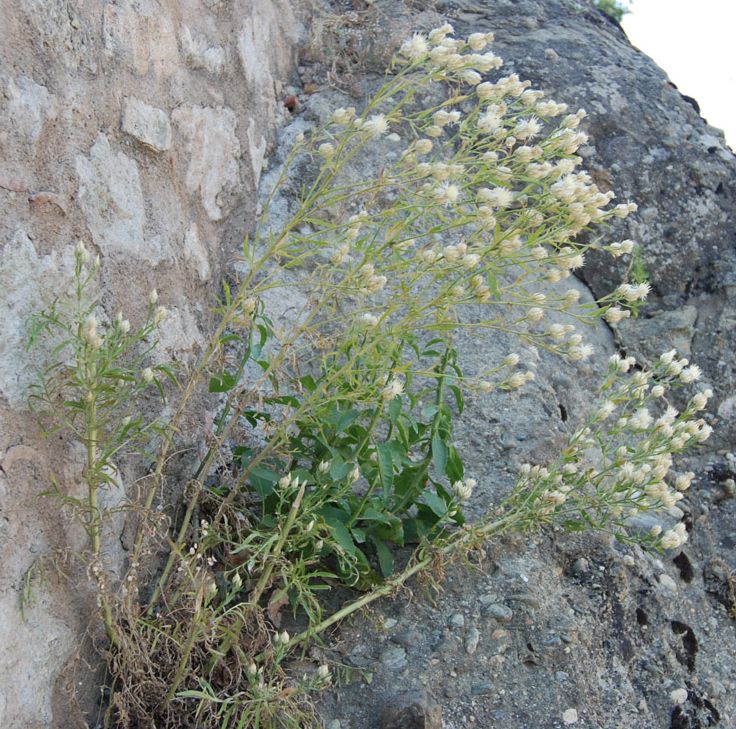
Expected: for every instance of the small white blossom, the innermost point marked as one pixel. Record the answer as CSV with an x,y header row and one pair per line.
x,y
394,388
462,489
632,292
690,374
497,197
415,47
326,150
343,116
616,314
478,41
423,146
376,125
369,319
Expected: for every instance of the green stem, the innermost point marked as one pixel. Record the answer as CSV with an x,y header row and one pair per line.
x,y
187,651
174,552
262,584
465,539
411,493
93,510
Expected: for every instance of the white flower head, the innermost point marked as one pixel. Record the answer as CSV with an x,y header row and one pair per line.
x,y
463,489
343,116
423,146
393,388
447,194
326,150
478,41
81,252
497,197
369,319
375,125
415,47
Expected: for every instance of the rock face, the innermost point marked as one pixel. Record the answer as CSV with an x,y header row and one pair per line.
x,y
555,630
136,127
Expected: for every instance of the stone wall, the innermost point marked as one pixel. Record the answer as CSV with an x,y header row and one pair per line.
x,y
141,128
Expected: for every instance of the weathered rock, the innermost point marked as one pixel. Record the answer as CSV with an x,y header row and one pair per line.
x,y
625,616
140,37
213,149
147,124
200,54
111,196
412,710
21,296
29,106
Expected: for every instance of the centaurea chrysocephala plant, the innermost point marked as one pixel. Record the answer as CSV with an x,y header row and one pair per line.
x,y
333,446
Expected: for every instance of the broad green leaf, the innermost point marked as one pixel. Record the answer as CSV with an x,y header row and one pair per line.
x,y
439,455
385,558
435,502
263,480
370,513
342,536
222,383
386,467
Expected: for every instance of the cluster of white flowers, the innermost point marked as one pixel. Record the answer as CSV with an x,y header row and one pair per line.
x,y
90,334
463,490
636,434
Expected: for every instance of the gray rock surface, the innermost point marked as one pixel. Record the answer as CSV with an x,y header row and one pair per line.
x,y
577,630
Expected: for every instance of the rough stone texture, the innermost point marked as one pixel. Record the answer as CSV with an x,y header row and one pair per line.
x,y
575,627
147,124
213,150
89,91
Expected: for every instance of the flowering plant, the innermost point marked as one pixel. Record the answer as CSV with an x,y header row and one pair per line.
x,y
334,445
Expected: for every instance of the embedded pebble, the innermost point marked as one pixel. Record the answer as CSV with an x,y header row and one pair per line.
x,y
412,710
390,623
457,621
678,696
394,657
667,583
471,641
499,611
570,716
580,566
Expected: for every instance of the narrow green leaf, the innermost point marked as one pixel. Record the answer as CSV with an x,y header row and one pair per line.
x,y
394,410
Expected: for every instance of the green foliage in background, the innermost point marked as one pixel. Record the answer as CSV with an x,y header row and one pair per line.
x,y
614,8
